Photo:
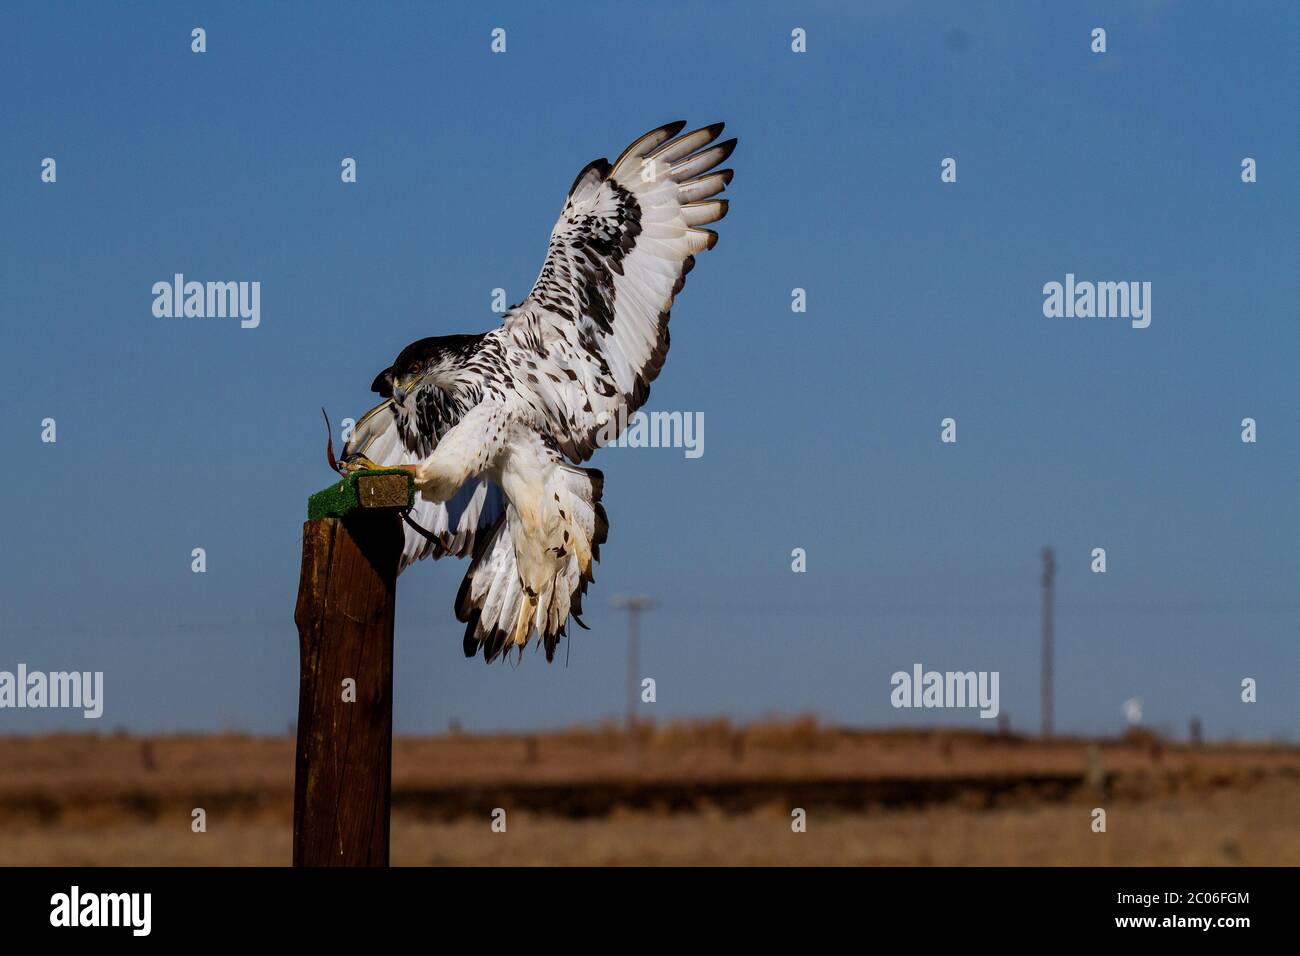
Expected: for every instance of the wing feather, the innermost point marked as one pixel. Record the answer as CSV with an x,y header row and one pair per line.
x,y
595,325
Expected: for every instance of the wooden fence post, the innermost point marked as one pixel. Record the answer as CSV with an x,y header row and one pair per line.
x,y
351,545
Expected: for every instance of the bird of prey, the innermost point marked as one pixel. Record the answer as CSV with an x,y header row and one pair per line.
x,y
494,426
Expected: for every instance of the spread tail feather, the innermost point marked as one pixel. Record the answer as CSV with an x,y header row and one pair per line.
x,y
502,607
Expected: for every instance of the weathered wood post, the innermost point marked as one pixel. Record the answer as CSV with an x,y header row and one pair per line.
x,y
351,545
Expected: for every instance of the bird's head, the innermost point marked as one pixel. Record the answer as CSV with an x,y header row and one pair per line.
x,y
431,361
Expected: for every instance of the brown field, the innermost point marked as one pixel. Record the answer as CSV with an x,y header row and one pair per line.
x,y
699,793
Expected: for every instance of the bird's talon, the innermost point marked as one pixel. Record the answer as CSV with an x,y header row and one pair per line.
x,y
359,463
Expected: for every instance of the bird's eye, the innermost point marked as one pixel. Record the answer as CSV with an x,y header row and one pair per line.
x,y
415,367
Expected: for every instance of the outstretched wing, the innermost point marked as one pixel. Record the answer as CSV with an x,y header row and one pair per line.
x,y
389,438
593,333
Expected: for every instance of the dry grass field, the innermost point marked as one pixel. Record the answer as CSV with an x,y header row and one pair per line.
x,y
699,793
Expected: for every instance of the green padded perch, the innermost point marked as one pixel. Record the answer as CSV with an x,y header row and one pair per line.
x,y
388,489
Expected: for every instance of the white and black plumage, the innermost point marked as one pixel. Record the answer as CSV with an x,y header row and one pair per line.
x,y
486,422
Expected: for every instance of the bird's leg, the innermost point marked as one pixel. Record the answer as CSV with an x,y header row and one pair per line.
x,y
469,448
435,483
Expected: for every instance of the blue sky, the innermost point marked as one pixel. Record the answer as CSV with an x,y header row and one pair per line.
x,y
821,428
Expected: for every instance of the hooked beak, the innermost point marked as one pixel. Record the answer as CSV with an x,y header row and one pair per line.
x,y
403,387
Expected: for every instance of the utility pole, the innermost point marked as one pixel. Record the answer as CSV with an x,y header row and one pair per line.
x,y
634,605
1049,579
